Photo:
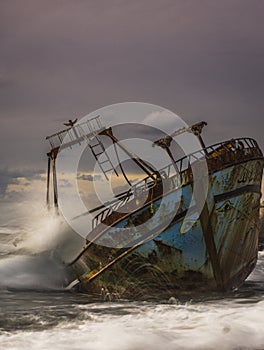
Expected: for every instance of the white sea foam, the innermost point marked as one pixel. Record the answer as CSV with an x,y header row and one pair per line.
x,y
32,254
202,326
225,324
43,230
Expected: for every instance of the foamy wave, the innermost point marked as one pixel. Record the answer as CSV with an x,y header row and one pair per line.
x,y
186,327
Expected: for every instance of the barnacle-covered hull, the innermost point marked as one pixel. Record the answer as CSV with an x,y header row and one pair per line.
x,y
181,251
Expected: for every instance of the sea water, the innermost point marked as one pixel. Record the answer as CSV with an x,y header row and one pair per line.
x,y
37,313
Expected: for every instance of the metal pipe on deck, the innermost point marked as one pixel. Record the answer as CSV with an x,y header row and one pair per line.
x,y
197,131
165,143
48,183
55,187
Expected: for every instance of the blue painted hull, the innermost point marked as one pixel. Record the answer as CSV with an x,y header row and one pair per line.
x,y
180,252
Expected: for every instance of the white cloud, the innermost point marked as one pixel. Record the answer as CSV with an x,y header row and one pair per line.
x,y
164,120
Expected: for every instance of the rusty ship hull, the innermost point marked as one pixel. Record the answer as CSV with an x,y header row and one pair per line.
x,y
175,254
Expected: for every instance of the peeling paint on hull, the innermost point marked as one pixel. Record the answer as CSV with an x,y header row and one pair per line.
x,y
173,257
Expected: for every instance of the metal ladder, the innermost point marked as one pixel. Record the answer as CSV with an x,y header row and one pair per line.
x,y
98,150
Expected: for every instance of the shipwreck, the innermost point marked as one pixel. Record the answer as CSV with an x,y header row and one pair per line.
x,y
163,251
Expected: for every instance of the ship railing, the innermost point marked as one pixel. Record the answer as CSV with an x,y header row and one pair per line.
x,y
77,133
134,192
231,145
169,171
114,206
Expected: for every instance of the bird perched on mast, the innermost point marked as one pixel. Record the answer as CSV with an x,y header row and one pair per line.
x,y
70,122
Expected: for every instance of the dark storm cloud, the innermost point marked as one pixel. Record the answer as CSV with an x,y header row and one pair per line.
x,y
59,59
12,177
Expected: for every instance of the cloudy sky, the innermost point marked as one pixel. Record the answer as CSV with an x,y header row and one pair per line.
x,y
202,59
